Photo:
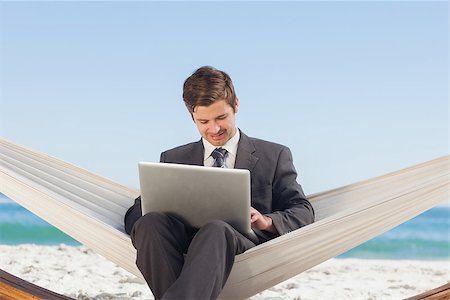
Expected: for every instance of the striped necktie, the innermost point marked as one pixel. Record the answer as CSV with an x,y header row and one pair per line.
x,y
219,157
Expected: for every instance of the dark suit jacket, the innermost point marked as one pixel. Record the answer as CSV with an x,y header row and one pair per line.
x,y
274,189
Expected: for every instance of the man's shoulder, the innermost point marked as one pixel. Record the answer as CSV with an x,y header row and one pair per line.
x,y
261,144
183,148
185,154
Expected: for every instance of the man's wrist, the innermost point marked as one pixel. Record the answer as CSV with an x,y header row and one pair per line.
x,y
270,227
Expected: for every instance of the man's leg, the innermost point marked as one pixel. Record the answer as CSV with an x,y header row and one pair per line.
x,y
160,241
208,263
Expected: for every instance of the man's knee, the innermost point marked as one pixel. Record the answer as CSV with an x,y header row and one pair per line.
x,y
147,223
152,219
218,227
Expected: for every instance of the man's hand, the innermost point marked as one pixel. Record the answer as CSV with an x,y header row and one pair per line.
x,y
260,221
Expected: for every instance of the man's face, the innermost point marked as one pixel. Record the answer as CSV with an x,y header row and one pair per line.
x,y
216,122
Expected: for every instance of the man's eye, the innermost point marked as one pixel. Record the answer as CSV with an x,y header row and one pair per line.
x,y
203,122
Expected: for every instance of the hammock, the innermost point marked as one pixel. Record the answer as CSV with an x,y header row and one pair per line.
x,y
90,208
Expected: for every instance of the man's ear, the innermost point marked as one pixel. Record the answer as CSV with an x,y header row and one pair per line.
x,y
236,105
192,114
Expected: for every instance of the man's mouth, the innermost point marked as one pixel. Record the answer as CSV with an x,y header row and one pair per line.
x,y
218,136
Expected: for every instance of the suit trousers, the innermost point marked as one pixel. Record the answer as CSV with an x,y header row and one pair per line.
x,y
179,262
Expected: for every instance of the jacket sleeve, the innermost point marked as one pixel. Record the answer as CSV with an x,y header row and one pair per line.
x,y
132,215
291,209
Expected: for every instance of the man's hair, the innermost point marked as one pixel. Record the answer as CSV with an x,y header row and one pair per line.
x,y
207,85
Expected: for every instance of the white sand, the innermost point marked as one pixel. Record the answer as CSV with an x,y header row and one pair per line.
x,y
79,273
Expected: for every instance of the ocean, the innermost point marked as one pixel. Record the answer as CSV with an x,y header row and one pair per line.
x,y
425,237
20,226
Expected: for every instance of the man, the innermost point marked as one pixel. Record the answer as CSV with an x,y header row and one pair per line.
x,y
181,262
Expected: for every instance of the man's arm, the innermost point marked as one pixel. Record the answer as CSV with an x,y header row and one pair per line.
x,y
291,209
261,222
133,214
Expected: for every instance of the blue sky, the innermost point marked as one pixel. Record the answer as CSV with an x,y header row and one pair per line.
x,y
355,89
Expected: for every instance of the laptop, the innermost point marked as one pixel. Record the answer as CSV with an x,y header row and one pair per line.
x,y
197,194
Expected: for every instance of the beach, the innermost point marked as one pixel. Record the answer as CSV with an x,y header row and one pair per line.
x,y
78,272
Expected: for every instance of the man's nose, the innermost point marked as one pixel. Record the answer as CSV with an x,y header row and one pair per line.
x,y
215,128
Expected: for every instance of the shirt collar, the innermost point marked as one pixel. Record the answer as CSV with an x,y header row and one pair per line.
x,y
231,146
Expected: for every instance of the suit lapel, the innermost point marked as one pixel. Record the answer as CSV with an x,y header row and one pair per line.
x,y
245,158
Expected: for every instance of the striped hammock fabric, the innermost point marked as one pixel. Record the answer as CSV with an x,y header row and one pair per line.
x,y
90,208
